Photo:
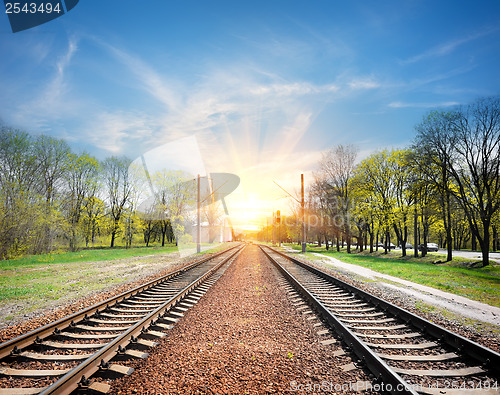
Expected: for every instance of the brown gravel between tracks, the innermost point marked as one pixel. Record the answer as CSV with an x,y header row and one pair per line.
x,y
243,336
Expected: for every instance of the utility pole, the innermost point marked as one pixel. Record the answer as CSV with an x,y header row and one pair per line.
x,y
302,204
415,231
198,230
278,220
273,235
267,230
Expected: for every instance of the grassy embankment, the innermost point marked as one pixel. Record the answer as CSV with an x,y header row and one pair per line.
x,y
31,283
481,284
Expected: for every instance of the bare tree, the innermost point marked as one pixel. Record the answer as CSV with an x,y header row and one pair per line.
x,y
213,214
115,179
52,156
434,149
337,168
476,167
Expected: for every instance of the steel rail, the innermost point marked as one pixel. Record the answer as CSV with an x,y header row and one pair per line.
x,y
20,342
488,358
392,381
78,376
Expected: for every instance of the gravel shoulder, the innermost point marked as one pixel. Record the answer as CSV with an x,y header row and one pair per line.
x,y
242,337
107,279
455,303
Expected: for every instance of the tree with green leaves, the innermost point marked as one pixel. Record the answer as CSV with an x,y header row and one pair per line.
x,y
175,195
81,184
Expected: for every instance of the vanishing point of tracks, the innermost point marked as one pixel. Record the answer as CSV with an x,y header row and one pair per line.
x,y
404,353
79,352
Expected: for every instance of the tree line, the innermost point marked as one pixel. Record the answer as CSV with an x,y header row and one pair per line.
x,y
444,188
52,198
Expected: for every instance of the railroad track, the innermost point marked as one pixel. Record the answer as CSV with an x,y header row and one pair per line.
x,y
81,352
405,353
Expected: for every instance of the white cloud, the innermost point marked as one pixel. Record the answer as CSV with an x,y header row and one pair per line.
x,y
292,89
364,83
111,131
399,104
448,47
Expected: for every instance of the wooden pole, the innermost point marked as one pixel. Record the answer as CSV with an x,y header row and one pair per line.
x,y
198,230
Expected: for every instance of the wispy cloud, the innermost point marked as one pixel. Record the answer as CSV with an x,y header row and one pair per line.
x,y
231,95
364,83
448,47
150,79
51,101
399,104
111,131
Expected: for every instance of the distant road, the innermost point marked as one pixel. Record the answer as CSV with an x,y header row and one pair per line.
x,y
494,256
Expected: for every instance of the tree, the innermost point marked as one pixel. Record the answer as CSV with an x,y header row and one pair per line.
x,y
401,179
213,215
19,205
174,196
434,147
116,182
93,213
374,177
336,169
81,184
476,168
52,156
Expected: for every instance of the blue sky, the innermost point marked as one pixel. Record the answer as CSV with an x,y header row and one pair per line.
x,y
265,86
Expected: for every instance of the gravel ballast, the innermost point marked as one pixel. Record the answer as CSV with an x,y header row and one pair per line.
x,y
243,336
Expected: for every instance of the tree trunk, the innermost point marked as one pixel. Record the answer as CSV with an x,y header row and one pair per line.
x,y
495,237
485,243
360,240
405,237
113,235
415,232
449,238
371,242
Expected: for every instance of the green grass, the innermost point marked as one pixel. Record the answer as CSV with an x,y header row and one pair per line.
x,y
34,283
481,284
88,255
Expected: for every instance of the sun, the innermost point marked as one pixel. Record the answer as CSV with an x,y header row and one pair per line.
x,y
249,212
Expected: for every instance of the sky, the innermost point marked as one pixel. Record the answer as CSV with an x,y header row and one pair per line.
x,y
264,87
